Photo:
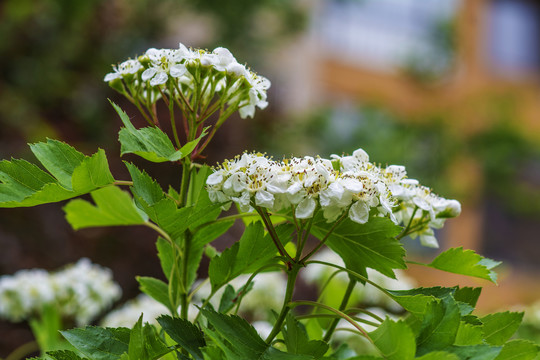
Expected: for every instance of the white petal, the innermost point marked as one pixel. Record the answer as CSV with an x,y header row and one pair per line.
x,y
359,212
148,73
214,179
264,198
111,76
361,155
178,70
428,239
160,78
305,208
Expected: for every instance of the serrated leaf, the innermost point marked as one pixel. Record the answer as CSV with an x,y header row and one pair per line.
x,y
469,334
416,300
518,350
395,340
154,346
113,207
468,295
372,244
23,184
237,333
144,187
475,352
59,159
439,326
99,343
499,327
150,143
186,334
156,289
466,262
136,341
297,341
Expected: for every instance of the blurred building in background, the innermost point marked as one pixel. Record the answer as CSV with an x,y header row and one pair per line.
x,y
458,82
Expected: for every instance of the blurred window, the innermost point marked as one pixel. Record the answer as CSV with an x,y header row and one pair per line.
x,y
384,34
513,36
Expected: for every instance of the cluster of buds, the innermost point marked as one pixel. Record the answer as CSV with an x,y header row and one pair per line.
x,y
79,292
193,77
350,184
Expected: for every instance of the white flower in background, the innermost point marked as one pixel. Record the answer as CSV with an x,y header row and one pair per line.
x,y
267,294
245,89
80,291
128,314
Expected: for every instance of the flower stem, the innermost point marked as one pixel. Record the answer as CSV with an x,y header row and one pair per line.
x,y
272,231
292,274
335,311
342,306
312,252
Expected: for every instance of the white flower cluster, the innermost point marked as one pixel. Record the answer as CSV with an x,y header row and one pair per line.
x,y
345,183
128,314
221,74
80,292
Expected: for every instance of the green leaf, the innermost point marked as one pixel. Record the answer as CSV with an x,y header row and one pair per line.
x,y
186,334
156,289
438,355
297,341
518,350
469,334
113,207
372,244
136,341
440,325
166,256
499,327
59,159
237,333
99,343
144,187
64,355
475,352
24,184
466,262
395,340
154,346
468,295
416,300
150,143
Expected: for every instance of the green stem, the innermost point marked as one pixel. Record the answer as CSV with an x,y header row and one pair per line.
x,y
364,311
405,231
251,279
342,306
184,301
312,252
23,350
305,237
123,182
172,119
184,186
272,231
160,231
335,311
292,274
350,272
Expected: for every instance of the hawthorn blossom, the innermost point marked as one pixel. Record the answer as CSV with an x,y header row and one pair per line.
x,y
343,184
221,73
